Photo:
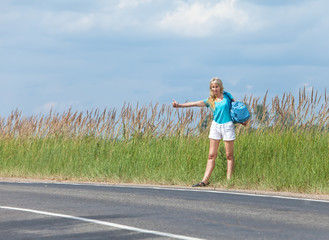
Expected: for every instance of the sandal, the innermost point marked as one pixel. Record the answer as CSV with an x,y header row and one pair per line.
x,y
201,184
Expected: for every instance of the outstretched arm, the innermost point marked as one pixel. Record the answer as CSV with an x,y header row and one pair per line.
x,y
188,104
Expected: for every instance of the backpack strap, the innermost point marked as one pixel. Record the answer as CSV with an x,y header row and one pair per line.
x,y
230,99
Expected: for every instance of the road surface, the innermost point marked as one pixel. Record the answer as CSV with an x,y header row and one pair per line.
x,y
88,211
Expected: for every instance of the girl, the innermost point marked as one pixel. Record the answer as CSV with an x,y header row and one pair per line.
x,y
222,127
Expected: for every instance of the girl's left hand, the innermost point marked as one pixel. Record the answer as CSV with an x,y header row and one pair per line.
x,y
245,123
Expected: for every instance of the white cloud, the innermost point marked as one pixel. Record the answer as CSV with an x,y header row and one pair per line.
x,y
193,18
183,42
108,17
69,21
183,18
234,81
47,107
201,19
132,3
56,106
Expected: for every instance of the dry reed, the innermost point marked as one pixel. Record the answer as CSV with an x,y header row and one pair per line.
x,y
310,111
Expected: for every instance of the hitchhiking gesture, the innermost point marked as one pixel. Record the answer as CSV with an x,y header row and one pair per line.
x,y
222,127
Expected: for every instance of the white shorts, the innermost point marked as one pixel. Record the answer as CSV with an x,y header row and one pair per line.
x,y
225,131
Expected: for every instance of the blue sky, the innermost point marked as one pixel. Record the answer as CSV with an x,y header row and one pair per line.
x,y
89,54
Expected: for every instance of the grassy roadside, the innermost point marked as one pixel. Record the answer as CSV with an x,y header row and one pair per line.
x,y
282,161
285,147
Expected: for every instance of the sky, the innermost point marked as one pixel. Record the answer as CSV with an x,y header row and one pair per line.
x,y
88,54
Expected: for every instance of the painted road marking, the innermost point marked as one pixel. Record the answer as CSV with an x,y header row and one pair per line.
x,y
109,224
223,192
179,189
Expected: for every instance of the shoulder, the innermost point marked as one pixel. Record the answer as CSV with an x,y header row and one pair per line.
x,y
206,101
229,95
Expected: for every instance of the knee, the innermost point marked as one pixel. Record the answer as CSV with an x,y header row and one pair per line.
x,y
212,156
229,156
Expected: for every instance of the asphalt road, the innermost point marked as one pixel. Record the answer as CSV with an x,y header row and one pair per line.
x,y
67,211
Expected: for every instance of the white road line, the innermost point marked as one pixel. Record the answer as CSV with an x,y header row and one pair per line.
x,y
179,189
109,224
182,190
227,193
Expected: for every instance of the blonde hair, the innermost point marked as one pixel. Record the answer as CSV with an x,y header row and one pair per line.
x,y
212,97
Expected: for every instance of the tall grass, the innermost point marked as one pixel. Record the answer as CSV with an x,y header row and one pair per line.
x,y
285,146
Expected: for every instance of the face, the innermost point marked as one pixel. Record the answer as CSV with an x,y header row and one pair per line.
x,y
215,89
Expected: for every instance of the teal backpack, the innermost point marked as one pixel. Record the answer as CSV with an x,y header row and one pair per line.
x,y
238,111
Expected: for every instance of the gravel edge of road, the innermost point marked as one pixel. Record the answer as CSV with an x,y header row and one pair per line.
x,y
210,188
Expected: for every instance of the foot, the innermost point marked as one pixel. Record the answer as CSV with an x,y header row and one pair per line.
x,y
201,184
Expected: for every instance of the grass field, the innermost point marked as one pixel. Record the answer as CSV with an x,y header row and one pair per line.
x,y
285,147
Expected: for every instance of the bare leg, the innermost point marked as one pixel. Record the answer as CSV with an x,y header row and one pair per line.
x,y
229,149
213,151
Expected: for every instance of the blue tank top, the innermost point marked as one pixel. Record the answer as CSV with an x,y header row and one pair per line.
x,y
222,109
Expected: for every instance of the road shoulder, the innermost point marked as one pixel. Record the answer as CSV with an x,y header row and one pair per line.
x,y
210,188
